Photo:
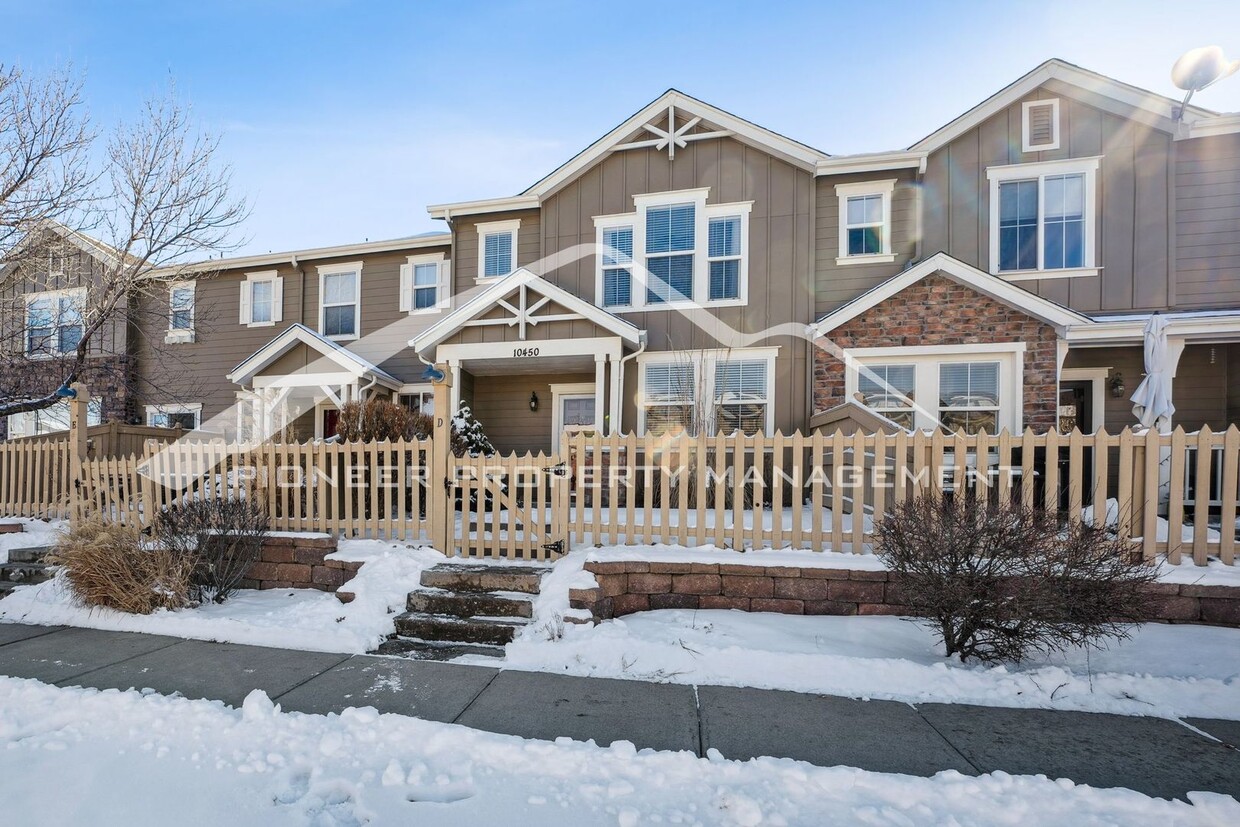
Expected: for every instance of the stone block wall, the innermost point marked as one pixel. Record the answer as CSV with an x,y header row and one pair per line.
x,y
625,587
297,561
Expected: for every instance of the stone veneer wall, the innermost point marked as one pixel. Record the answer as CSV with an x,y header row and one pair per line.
x,y
940,311
625,587
297,561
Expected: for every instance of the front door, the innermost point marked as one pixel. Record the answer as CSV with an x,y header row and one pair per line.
x,y
576,413
331,422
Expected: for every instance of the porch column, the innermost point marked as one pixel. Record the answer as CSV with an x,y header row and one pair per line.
x,y
600,388
454,369
613,401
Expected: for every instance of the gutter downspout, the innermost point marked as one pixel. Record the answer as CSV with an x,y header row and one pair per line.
x,y
640,350
301,296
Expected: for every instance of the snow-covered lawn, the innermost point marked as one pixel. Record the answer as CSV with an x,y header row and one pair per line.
x,y
290,618
70,756
1163,670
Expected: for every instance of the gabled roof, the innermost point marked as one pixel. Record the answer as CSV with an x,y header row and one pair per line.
x,y
996,288
298,333
1156,108
488,299
93,247
724,123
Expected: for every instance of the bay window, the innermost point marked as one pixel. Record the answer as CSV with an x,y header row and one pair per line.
x,y
1042,219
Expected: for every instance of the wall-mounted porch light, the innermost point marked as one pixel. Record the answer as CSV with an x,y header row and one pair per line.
x,y
1117,385
533,401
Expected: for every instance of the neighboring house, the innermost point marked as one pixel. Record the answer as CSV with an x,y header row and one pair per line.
x,y
43,297
999,272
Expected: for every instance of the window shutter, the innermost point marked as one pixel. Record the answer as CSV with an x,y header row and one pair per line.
x,y
245,302
277,299
406,288
444,295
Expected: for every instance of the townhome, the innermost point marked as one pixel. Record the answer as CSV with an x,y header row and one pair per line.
x,y
693,269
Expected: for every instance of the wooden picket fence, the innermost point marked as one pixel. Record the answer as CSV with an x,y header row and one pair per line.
x,y
818,491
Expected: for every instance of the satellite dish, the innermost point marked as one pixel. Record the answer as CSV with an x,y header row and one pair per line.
x,y
1199,68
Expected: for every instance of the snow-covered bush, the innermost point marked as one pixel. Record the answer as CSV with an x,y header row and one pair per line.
x,y
219,538
468,438
1000,581
114,566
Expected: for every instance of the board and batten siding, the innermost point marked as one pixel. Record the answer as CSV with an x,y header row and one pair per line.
x,y
1132,229
1207,221
465,247
836,284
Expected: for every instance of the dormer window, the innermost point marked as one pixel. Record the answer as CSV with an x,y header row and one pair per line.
x,y
1040,125
497,248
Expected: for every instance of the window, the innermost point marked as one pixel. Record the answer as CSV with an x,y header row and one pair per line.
x,y
865,222
187,417
53,419
952,387
707,391
678,248
1042,218
724,257
1040,125
969,396
497,248
741,396
422,401
262,299
889,390
340,300
617,259
54,322
424,285
180,313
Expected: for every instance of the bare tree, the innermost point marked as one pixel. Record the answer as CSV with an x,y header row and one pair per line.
x,y
158,197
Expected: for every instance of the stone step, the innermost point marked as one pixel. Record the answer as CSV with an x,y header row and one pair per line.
x,y
494,631
6,587
35,554
468,604
457,578
24,573
406,647
12,528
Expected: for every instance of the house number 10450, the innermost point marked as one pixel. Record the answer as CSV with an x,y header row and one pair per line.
x,y
518,352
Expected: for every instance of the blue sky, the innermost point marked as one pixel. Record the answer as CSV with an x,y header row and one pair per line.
x,y
342,120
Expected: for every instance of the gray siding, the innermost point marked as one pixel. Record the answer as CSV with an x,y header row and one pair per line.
x,y
465,245
502,405
1207,177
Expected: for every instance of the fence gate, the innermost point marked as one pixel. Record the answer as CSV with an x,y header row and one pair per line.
x,y
513,507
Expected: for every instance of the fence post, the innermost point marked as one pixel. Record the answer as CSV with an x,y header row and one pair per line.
x,y
78,423
440,511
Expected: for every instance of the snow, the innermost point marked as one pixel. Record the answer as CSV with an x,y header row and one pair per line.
x,y
291,618
1163,670
37,533
149,760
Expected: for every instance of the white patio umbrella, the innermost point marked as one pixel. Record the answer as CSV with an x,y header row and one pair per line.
x,y
1151,401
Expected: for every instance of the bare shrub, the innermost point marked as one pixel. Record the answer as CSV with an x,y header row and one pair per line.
x,y
219,538
374,420
114,566
1000,581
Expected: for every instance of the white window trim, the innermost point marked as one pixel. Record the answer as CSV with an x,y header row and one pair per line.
x,y
326,270
1025,144
926,361
277,298
705,360
182,335
1039,171
443,286
512,227
1097,377
409,390
54,296
572,390
177,408
844,192
702,215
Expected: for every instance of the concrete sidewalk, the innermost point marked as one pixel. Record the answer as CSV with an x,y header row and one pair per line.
x,y
1155,756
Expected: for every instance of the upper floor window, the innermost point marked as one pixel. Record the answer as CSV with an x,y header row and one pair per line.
x,y
497,248
865,222
424,283
340,303
54,322
262,299
1042,218
1040,125
181,313
677,248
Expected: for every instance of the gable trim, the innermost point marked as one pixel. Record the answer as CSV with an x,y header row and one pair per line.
x,y
491,297
1019,298
296,334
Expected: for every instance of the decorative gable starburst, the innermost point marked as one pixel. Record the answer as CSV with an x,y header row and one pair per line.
x,y
673,136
